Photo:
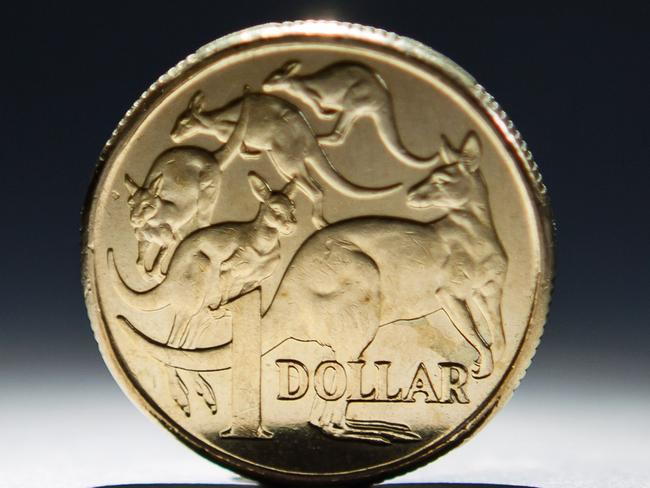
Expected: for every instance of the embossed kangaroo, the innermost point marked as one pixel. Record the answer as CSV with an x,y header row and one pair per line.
x,y
368,272
265,124
346,91
176,198
216,264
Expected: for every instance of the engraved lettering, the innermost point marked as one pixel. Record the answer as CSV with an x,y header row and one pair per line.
x,y
289,368
331,380
422,384
246,417
383,389
356,383
345,271
330,386
453,377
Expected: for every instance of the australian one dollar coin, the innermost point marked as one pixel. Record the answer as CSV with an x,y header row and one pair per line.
x,y
317,252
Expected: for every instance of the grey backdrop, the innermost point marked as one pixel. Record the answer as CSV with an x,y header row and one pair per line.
x,y
574,81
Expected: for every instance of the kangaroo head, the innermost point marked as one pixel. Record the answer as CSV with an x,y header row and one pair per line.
x,y
191,121
143,202
453,183
277,210
280,79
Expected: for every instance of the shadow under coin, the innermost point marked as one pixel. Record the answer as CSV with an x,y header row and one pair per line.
x,y
451,485
176,485
388,485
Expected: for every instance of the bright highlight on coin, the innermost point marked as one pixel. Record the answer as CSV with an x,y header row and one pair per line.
x,y
317,252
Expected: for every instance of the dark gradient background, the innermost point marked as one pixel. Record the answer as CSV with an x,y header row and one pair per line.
x,y
574,81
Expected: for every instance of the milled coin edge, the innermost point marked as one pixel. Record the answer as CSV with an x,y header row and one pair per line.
x,y
379,39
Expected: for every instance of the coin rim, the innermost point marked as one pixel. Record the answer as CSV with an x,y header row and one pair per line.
x,y
427,59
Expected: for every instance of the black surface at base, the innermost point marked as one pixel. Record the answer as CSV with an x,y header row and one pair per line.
x,y
398,485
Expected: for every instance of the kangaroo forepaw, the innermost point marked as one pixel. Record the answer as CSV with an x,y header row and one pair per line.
x,y
185,407
327,112
331,139
154,274
249,153
319,222
180,393
204,390
219,312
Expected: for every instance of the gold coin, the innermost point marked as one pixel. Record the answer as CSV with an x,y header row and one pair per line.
x,y
317,252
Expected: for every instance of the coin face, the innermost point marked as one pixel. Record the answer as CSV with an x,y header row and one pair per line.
x,y
317,252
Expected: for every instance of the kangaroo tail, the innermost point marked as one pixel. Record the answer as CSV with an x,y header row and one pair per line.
x,y
393,142
326,170
215,358
148,300
400,152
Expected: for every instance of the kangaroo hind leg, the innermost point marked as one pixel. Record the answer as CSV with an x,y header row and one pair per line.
x,y
489,302
178,330
461,317
313,191
294,169
342,127
207,197
316,103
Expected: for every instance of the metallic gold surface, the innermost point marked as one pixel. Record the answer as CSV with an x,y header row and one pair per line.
x,y
317,252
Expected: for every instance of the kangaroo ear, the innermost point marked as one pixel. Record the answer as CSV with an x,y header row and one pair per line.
x,y
290,68
131,185
471,151
260,188
197,103
290,189
156,185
